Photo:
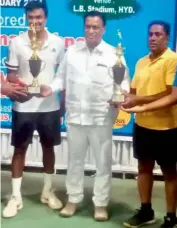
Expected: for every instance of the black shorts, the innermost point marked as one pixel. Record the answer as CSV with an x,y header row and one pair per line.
x,y
156,145
47,125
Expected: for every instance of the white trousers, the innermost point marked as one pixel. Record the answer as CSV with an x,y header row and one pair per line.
x,y
79,139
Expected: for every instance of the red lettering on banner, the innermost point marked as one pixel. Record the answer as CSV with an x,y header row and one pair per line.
x,y
120,122
68,41
2,80
4,117
5,39
80,39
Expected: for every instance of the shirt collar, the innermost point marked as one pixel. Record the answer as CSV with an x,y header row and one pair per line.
x,y
83,46
162,56
27,40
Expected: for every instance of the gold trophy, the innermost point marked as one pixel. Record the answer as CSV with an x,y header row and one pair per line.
x,y
119,70
34,63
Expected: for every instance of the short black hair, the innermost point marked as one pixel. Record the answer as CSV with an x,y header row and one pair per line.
x,y
165,25
36,4
95,14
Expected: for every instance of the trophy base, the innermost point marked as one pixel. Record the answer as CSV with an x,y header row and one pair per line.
x,y
118,98
34,90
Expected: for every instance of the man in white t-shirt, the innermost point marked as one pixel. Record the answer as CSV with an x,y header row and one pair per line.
x,y
34,113
86,74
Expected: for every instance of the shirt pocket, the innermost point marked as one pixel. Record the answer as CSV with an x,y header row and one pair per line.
x,y
100,74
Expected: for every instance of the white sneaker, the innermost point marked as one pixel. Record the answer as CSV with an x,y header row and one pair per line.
x,y
51,200
12,208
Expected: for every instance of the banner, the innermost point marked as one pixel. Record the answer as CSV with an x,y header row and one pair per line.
x,y
130,17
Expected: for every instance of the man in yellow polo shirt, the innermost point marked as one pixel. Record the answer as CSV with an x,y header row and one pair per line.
x,y
155,132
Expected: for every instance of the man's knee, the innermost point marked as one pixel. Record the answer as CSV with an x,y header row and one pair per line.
x,y
49,141
21,149
169,174
145,167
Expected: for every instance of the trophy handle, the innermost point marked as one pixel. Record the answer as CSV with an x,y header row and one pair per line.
x,y
110,71
42,68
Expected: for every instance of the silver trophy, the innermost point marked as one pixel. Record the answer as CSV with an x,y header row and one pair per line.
x,y
119,70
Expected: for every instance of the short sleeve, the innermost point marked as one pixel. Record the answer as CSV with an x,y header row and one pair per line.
x,y
134,79
11,61
171,68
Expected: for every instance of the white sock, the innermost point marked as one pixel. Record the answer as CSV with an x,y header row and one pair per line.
x,y
47,183
16,187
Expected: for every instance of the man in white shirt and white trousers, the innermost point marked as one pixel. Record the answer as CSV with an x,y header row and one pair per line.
x,y
86,75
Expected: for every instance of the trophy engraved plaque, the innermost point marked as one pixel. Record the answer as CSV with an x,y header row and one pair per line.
x,y
118,73
34,63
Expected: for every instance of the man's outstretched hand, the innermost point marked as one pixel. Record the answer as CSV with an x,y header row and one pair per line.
x,y
131,100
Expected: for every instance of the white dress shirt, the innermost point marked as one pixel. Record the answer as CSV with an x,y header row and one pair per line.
x,y
88,80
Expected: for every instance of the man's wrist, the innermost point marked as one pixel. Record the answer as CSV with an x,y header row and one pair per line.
x,y
139,100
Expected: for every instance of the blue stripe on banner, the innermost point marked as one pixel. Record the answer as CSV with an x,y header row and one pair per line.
x,y
175,80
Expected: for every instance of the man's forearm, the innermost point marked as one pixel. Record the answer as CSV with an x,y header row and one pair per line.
x,y
12,77
166,101
161,103
148,99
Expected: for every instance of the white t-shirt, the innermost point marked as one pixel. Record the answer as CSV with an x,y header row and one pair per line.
x,y
51,55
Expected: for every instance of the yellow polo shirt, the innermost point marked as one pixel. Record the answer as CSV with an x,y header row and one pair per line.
x,y
152,77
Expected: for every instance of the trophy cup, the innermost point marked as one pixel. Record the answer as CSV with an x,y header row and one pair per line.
x,y
34,63
118,73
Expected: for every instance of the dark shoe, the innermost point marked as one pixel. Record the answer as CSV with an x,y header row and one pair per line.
x,y
141,218
169,223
